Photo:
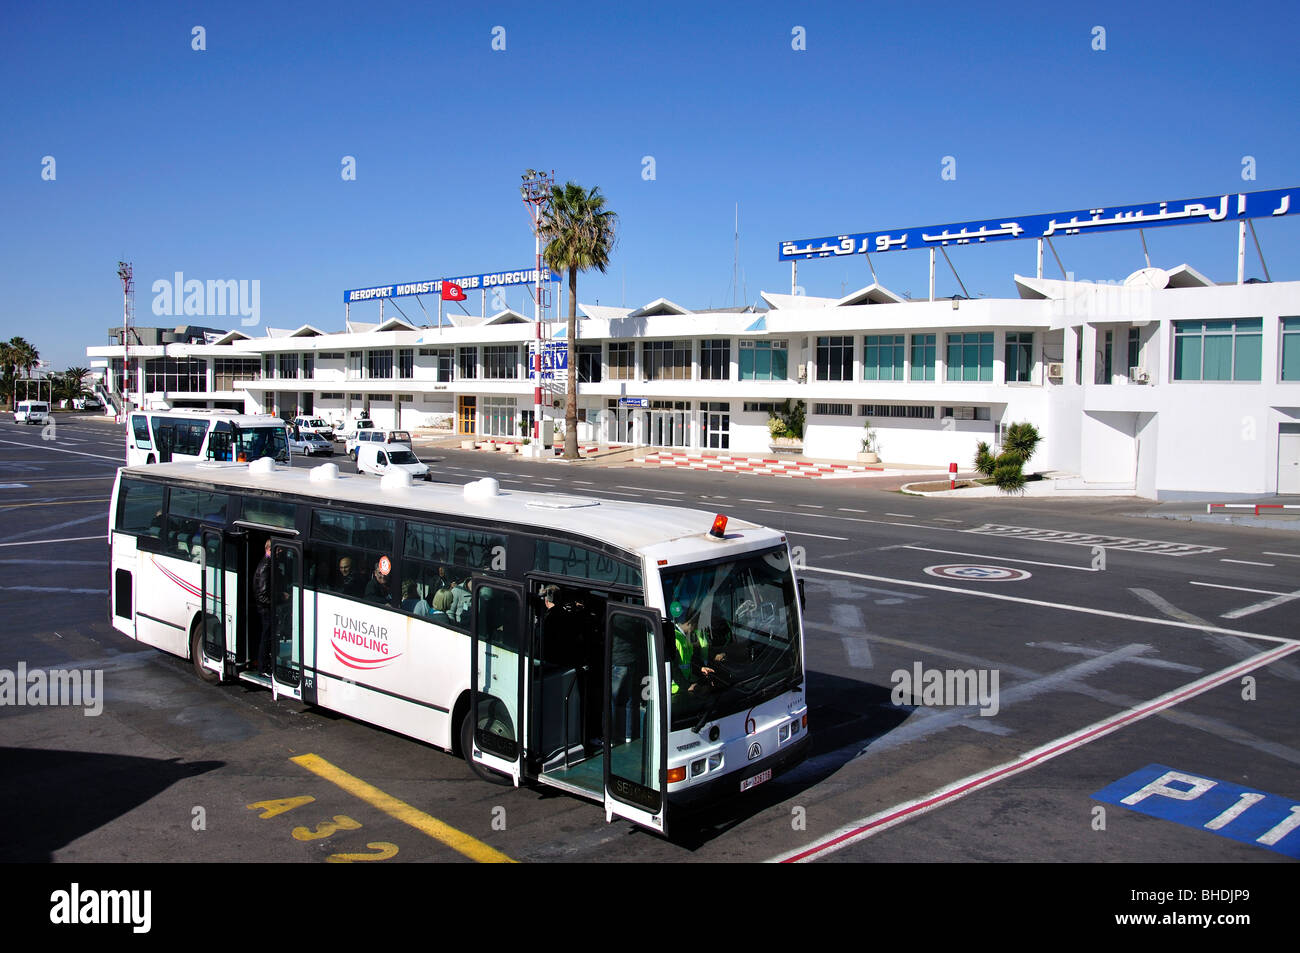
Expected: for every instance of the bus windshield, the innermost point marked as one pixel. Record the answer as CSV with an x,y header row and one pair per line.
x,y
735,635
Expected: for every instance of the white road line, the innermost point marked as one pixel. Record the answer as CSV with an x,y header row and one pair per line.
x,y
883,820
1215,585
842,539
756,501
848,509
1086,610
81,453
811,506
1246,562
648,489
1280,599
584,482
906,516
1290,555
41,542
944,519
1005,559
615,492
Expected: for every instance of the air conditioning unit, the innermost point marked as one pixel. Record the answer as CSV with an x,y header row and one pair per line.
x,y
1054,371
1138,375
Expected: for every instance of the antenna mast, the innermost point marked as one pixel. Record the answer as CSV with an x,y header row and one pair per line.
x,y
127,274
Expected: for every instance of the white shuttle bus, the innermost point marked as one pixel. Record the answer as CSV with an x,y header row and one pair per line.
x,y
646,657
173,436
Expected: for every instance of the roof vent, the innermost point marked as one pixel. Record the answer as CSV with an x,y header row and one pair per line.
x,y
324,473
483,489
395,480
262,466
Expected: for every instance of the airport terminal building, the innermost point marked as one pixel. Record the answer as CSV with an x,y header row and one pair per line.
x,y
1164,386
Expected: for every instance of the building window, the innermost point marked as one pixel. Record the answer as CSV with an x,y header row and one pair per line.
x,y
622,362
1019,357
1134,349
379,365
715,359
764,360
1290,349
172,374
289,366
833,410
501,361
268,366
909,411
227,370
588,364
309,366
667,360
835,359
923,355
882,357
970,356
967,413
444,359
1224,350
468,363
406,363
354,365
761,407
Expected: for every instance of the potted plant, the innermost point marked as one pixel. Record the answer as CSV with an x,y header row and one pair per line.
x,y
786,427
870,452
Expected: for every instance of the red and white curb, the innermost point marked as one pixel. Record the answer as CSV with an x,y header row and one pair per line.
x,y
882,821
764,466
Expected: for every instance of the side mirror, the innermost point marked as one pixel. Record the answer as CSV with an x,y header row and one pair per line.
x,y
803,597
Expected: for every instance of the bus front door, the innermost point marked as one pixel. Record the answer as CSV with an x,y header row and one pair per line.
x,y
497,652
286,608
636,717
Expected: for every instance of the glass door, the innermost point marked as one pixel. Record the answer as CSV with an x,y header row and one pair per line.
x,y
286,609
215,622
636,717
497,653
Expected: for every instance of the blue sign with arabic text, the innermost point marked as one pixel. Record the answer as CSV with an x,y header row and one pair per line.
x,y
1214,208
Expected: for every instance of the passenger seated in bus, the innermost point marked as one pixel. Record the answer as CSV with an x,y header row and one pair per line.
x,y
411,600
350,582
377,587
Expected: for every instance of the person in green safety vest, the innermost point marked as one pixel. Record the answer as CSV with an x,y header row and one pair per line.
x,y
689,654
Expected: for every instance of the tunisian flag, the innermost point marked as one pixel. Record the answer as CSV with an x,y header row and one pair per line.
x,y
452,292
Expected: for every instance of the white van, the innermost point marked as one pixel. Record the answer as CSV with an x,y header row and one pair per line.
x,y
32,412
381,458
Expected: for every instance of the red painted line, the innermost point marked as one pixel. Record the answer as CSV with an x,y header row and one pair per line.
x,y
1267,506
1046,754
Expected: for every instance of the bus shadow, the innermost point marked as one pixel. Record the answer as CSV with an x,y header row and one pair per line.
x,y
847,718
48,798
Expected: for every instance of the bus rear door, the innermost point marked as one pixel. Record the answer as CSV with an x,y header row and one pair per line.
x,y
635,718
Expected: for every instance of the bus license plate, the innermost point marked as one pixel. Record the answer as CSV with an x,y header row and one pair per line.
x,y
756,780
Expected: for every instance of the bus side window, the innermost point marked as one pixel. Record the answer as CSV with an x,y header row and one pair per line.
x,y
141,511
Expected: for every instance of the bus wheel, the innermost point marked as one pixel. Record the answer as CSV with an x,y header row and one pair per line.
x,y
467,748
196,654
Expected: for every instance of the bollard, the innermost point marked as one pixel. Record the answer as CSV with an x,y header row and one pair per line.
x,y
952,476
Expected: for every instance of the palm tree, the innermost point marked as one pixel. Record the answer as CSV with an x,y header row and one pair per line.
x,y
74,382
7,362
21,354
579,232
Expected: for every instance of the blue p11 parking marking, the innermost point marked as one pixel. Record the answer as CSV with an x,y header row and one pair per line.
x,y
1229,810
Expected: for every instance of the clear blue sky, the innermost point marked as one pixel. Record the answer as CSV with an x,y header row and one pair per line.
x,y
226,163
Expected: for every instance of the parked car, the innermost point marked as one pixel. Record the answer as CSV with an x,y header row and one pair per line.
x,y
32,412
316,425
86,403
308,443
380,458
